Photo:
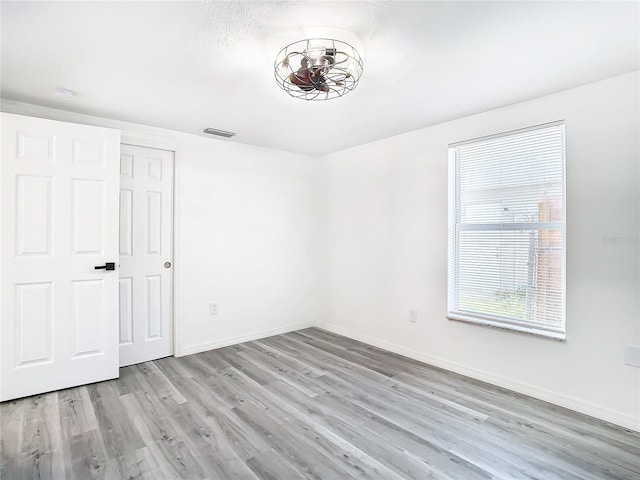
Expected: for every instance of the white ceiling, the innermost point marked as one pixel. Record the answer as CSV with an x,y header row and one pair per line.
x,y
191,65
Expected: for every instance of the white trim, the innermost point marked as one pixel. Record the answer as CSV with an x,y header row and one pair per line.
x,y
507,133
177,257
225,342
508,325
153,137
566,401
138,140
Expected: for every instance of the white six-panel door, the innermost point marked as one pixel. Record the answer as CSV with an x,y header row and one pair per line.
x,y
146,254
59,219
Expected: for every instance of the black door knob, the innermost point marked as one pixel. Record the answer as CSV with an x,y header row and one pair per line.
x,y
106,266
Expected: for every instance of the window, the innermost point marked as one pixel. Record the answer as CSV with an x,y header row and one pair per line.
x,y
507,230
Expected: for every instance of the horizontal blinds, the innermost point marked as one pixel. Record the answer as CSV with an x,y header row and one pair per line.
x,y
507,228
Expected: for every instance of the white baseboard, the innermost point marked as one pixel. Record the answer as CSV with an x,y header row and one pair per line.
x,y
225,342
572,403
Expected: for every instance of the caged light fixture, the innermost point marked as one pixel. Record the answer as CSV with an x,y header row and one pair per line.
x,y
318,69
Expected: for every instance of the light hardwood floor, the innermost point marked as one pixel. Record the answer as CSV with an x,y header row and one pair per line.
x,y
307,404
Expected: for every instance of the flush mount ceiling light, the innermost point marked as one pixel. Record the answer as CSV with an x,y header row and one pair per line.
x,y
318,69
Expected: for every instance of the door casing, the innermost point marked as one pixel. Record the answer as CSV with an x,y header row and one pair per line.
x,y
137,183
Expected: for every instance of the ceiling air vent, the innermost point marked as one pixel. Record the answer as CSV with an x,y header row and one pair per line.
x,y
219,133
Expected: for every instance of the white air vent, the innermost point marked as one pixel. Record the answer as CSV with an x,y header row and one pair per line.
x,y
219,133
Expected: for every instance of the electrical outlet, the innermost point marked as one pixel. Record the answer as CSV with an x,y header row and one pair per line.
x,y
213,309
632,356
413,316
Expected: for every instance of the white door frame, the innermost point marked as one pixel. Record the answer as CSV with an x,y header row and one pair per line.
x,y
163,144
134,350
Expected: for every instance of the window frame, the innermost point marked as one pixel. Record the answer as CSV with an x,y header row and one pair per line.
x,y
455,226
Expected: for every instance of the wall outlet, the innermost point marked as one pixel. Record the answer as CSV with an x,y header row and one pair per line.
x,y
632,356
413,316
213,309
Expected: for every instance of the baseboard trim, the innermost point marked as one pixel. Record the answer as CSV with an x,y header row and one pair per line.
x,y
226,342
572,403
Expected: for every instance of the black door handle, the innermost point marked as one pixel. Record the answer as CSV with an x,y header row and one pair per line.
x,y
106,266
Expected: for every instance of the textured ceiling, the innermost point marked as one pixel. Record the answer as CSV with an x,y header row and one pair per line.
x,y
191,65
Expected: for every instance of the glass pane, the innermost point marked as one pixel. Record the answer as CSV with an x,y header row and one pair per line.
x,y
512,274
505,180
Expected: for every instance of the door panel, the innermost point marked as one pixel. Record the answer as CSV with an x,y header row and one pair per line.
x,y
88,318
154,307
146,234
34,215
88,221
153,223
36,145
126,223
88,152
34,323
59,219
126,310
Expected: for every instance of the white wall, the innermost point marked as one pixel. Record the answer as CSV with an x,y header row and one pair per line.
x,y
248,225
386,252
246,230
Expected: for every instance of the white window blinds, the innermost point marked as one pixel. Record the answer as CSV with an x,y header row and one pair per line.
x,y
507,230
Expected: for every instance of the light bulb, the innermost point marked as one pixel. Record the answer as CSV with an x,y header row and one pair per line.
x,y
350,69
284,68
316,53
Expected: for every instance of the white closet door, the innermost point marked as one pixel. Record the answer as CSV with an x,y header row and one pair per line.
x,y
146,254
59,193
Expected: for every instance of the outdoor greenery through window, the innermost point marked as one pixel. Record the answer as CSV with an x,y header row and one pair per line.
x,y
507,230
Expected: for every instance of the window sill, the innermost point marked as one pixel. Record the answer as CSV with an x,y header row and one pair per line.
x,y
529,330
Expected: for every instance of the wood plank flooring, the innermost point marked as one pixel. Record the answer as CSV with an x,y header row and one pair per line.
x,y
304,405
